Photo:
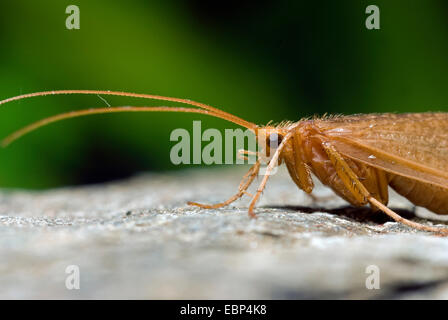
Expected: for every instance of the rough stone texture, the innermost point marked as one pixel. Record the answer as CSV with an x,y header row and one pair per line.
x,y
138,239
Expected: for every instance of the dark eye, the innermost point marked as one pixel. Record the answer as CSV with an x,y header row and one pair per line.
x,y
274,140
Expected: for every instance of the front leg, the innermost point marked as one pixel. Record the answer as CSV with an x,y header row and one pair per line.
x,y
269,169
244,185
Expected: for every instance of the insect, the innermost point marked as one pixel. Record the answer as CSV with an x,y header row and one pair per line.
x,y
358,156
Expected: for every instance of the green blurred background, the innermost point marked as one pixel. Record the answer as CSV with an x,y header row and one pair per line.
x,y
261,60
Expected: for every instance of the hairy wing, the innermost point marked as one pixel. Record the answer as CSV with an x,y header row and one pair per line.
x,y
413,145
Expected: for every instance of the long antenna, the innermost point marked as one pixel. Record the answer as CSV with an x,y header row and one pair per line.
x,y
80,113
247,124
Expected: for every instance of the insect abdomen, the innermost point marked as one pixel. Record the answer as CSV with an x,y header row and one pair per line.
x,y
421,194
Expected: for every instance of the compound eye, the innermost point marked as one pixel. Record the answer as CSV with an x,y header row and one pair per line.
x,y
274,140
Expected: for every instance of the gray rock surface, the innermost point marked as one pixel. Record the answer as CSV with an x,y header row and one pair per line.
x,y
138,239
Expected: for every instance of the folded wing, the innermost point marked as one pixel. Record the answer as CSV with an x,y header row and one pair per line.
x,y
413,145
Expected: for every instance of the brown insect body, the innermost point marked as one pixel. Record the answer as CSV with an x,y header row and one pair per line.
x,y
356,156
411,150
405,136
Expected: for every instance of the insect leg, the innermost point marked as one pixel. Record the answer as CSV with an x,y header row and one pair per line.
x,y
298,170
382,188
355,186
269,169
244,185
244,154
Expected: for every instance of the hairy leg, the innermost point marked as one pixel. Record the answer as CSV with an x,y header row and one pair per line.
x,y
244,185
269,169
244,154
